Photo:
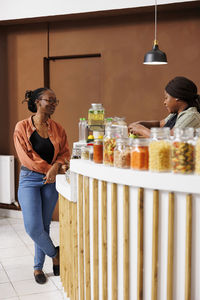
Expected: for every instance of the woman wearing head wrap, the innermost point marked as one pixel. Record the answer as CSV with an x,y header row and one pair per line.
x,y
42,148
183,104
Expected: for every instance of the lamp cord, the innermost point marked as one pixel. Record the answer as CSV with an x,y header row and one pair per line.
x,y
155,40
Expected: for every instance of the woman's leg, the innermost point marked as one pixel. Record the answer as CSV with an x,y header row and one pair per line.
x,y
49,197
30,199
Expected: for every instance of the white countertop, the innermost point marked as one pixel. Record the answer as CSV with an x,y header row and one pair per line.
x,y
146,179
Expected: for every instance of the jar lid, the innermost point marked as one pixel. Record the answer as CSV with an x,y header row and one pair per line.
x,y
160,132
140,142
97,105
123,141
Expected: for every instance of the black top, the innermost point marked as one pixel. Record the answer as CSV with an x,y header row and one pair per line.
x,y
42,146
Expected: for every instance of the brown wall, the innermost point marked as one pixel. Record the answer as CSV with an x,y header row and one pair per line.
x,y
118,78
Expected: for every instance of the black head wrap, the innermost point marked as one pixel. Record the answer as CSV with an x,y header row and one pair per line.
x,y
31,96
184,89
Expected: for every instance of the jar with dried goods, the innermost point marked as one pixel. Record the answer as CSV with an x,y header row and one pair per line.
x,y
183,151
98,151
122,153
160,150
140,154
109,143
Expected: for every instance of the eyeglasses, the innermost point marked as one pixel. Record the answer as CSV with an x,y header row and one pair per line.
x,y
51,101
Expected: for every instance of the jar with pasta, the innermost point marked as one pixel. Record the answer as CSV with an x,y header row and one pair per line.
x,y
140,154
160,150
183,151
122,153
109,143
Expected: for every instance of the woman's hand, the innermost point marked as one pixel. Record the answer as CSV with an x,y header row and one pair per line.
x,y
51,174
64,168
136,128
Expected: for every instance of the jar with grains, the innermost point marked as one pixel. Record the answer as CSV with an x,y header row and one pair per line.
x,y
85,153
160,150
98,151
109,143
140,154
183,151
122,153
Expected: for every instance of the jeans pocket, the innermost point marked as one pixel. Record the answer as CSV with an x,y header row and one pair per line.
x,y
25,173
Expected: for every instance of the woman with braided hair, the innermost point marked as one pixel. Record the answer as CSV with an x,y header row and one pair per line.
x,y
42,148
183,104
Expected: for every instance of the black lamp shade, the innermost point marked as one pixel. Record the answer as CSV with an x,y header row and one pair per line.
x,y
155,57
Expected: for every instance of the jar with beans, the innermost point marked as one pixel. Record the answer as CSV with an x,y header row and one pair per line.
x,y
183,151
122,153
140,154
160,150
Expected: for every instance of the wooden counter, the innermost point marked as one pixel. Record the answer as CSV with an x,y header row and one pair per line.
x,y
129,235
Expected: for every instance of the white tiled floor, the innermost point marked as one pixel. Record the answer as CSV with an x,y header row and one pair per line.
x,y
16,265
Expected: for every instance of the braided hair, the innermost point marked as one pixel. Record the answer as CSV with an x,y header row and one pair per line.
x,y
31,96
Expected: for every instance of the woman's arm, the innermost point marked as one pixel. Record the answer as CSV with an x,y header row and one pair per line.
x,y
142,128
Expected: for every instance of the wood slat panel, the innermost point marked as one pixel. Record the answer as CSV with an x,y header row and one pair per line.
x,y
87,239
71,273
140,250
104,240
114,240
80,236
188,250
95,241
126,243
75,250
170,251
61,233
155,245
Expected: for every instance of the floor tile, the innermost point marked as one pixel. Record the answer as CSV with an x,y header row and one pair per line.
x,y
7,291
25,238
18,274
10,240
27,287
3,276
14,252
56,280
44,296
15,220
19,262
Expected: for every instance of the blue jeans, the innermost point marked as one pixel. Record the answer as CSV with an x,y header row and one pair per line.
x,y
37,201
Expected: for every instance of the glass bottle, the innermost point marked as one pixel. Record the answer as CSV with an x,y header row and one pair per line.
x,y
140,154
160,150
183,151
82,130
98,151
122,153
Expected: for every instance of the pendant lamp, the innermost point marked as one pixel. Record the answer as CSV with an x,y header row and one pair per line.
x,y
155,56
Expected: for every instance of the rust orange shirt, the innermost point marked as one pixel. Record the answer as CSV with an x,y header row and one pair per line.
x,y
28,157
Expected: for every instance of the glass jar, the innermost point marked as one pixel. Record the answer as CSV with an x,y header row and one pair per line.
x,y
98,151
76,153
85,153
160,150
122,153
140,154
183,151
96,114
109,143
